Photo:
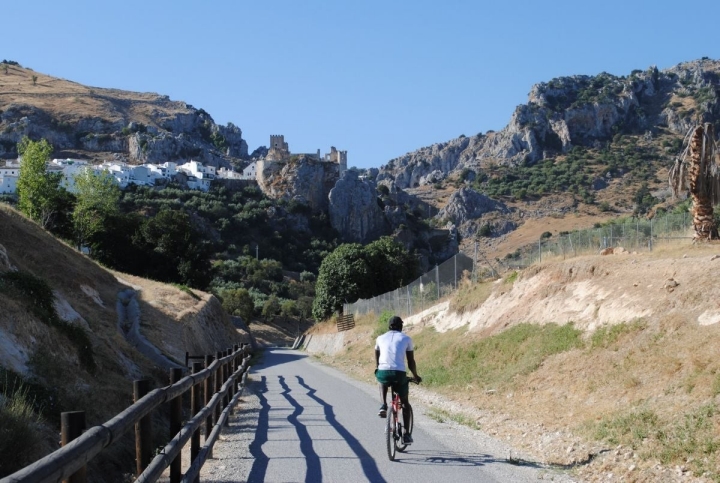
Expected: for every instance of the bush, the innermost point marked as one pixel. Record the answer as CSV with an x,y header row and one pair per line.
x,y
20,438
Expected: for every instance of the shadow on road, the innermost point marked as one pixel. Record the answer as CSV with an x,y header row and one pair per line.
x,y
260,464
313,471
445,458
367,462
271,358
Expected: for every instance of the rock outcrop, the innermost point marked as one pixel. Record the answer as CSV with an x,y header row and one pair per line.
x,y
301,178
574,111
466,209
354,210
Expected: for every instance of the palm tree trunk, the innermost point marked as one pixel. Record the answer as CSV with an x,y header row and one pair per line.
x,y
702,209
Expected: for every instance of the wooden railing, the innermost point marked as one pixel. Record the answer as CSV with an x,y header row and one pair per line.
x,y
220,377
345,322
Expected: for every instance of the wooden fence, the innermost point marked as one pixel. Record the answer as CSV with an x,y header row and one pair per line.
x,y
220,377
345,322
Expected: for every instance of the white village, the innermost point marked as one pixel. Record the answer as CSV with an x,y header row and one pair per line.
x,y
197,176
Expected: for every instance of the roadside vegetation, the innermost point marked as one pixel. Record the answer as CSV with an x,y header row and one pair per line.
x,y
666,376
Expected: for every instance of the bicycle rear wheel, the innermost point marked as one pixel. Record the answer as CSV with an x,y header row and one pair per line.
x,y
390,426
409,429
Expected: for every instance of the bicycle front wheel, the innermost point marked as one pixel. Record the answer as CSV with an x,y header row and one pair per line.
x,y
390,425
409,429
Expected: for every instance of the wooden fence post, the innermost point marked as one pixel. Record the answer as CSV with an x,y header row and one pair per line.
x,y
209,389
176,426
195,405
218,385
72,425
143,429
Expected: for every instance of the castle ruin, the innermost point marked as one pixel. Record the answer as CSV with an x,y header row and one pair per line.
x,y
280,151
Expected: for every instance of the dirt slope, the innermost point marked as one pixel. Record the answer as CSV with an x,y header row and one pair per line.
x,y
89,296
636,401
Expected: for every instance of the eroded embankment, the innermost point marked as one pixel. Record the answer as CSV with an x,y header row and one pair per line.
x,y
595,291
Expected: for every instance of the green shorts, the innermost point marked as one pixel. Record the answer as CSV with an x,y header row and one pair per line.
x,y
397,379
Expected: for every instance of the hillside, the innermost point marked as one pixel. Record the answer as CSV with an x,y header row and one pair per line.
x,y
102,124
603,365
110,329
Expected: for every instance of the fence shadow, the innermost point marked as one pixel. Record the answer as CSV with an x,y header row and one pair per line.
x,y
313,471
261,460
367,462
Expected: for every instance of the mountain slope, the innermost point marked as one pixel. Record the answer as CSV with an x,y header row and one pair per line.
x,y
97,123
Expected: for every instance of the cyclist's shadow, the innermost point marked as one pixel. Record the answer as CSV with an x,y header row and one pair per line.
x,y
450,458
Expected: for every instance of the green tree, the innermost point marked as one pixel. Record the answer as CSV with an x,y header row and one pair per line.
x,y
238,302
177,251
97,199
343,277
391,265
271,307
288,309
39,192
34,79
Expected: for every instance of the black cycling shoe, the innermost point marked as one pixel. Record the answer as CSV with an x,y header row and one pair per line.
x,y
383,411
407,439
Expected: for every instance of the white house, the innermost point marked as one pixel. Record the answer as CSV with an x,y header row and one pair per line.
x,y
195,168
225,173
250,171
141,175
9,176
8,183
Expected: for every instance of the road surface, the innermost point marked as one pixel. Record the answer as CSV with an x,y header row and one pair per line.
x,y
302,421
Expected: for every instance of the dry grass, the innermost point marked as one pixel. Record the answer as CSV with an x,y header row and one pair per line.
x,y
648,385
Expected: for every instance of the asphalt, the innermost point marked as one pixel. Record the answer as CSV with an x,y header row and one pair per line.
x,y
301,421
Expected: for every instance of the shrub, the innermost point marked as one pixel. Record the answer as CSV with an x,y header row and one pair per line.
x,y
20,438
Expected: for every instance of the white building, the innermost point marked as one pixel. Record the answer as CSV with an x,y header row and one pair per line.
x,y
9,176
224,173
250,171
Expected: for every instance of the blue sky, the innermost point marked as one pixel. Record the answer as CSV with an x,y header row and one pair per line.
x,y
376,78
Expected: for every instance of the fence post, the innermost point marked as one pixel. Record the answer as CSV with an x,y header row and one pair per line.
x,y
209,388
176,426
72,424
437,280
143,429
218,385
194,409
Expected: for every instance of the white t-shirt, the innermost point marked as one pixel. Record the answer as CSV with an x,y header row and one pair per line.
x,y
392,346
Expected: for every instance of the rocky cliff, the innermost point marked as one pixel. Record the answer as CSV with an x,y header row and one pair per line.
x,y
574,111
354,210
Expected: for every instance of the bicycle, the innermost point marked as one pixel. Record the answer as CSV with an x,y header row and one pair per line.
x,y
393,425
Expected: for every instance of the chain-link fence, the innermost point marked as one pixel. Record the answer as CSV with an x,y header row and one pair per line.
x,y
421,293
632,234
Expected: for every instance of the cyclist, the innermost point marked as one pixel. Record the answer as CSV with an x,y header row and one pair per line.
x,y
390,351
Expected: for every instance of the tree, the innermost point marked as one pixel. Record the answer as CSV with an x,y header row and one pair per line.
x,y
271,307
391,264
97,199
5,68
238,302
177,251
351,272
34,79
39,192
288,309
344,276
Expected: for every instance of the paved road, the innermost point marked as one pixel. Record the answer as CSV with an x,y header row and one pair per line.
x,y
303,421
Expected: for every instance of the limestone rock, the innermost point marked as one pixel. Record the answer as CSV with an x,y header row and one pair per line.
x,y
303,179
5,265
354,209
